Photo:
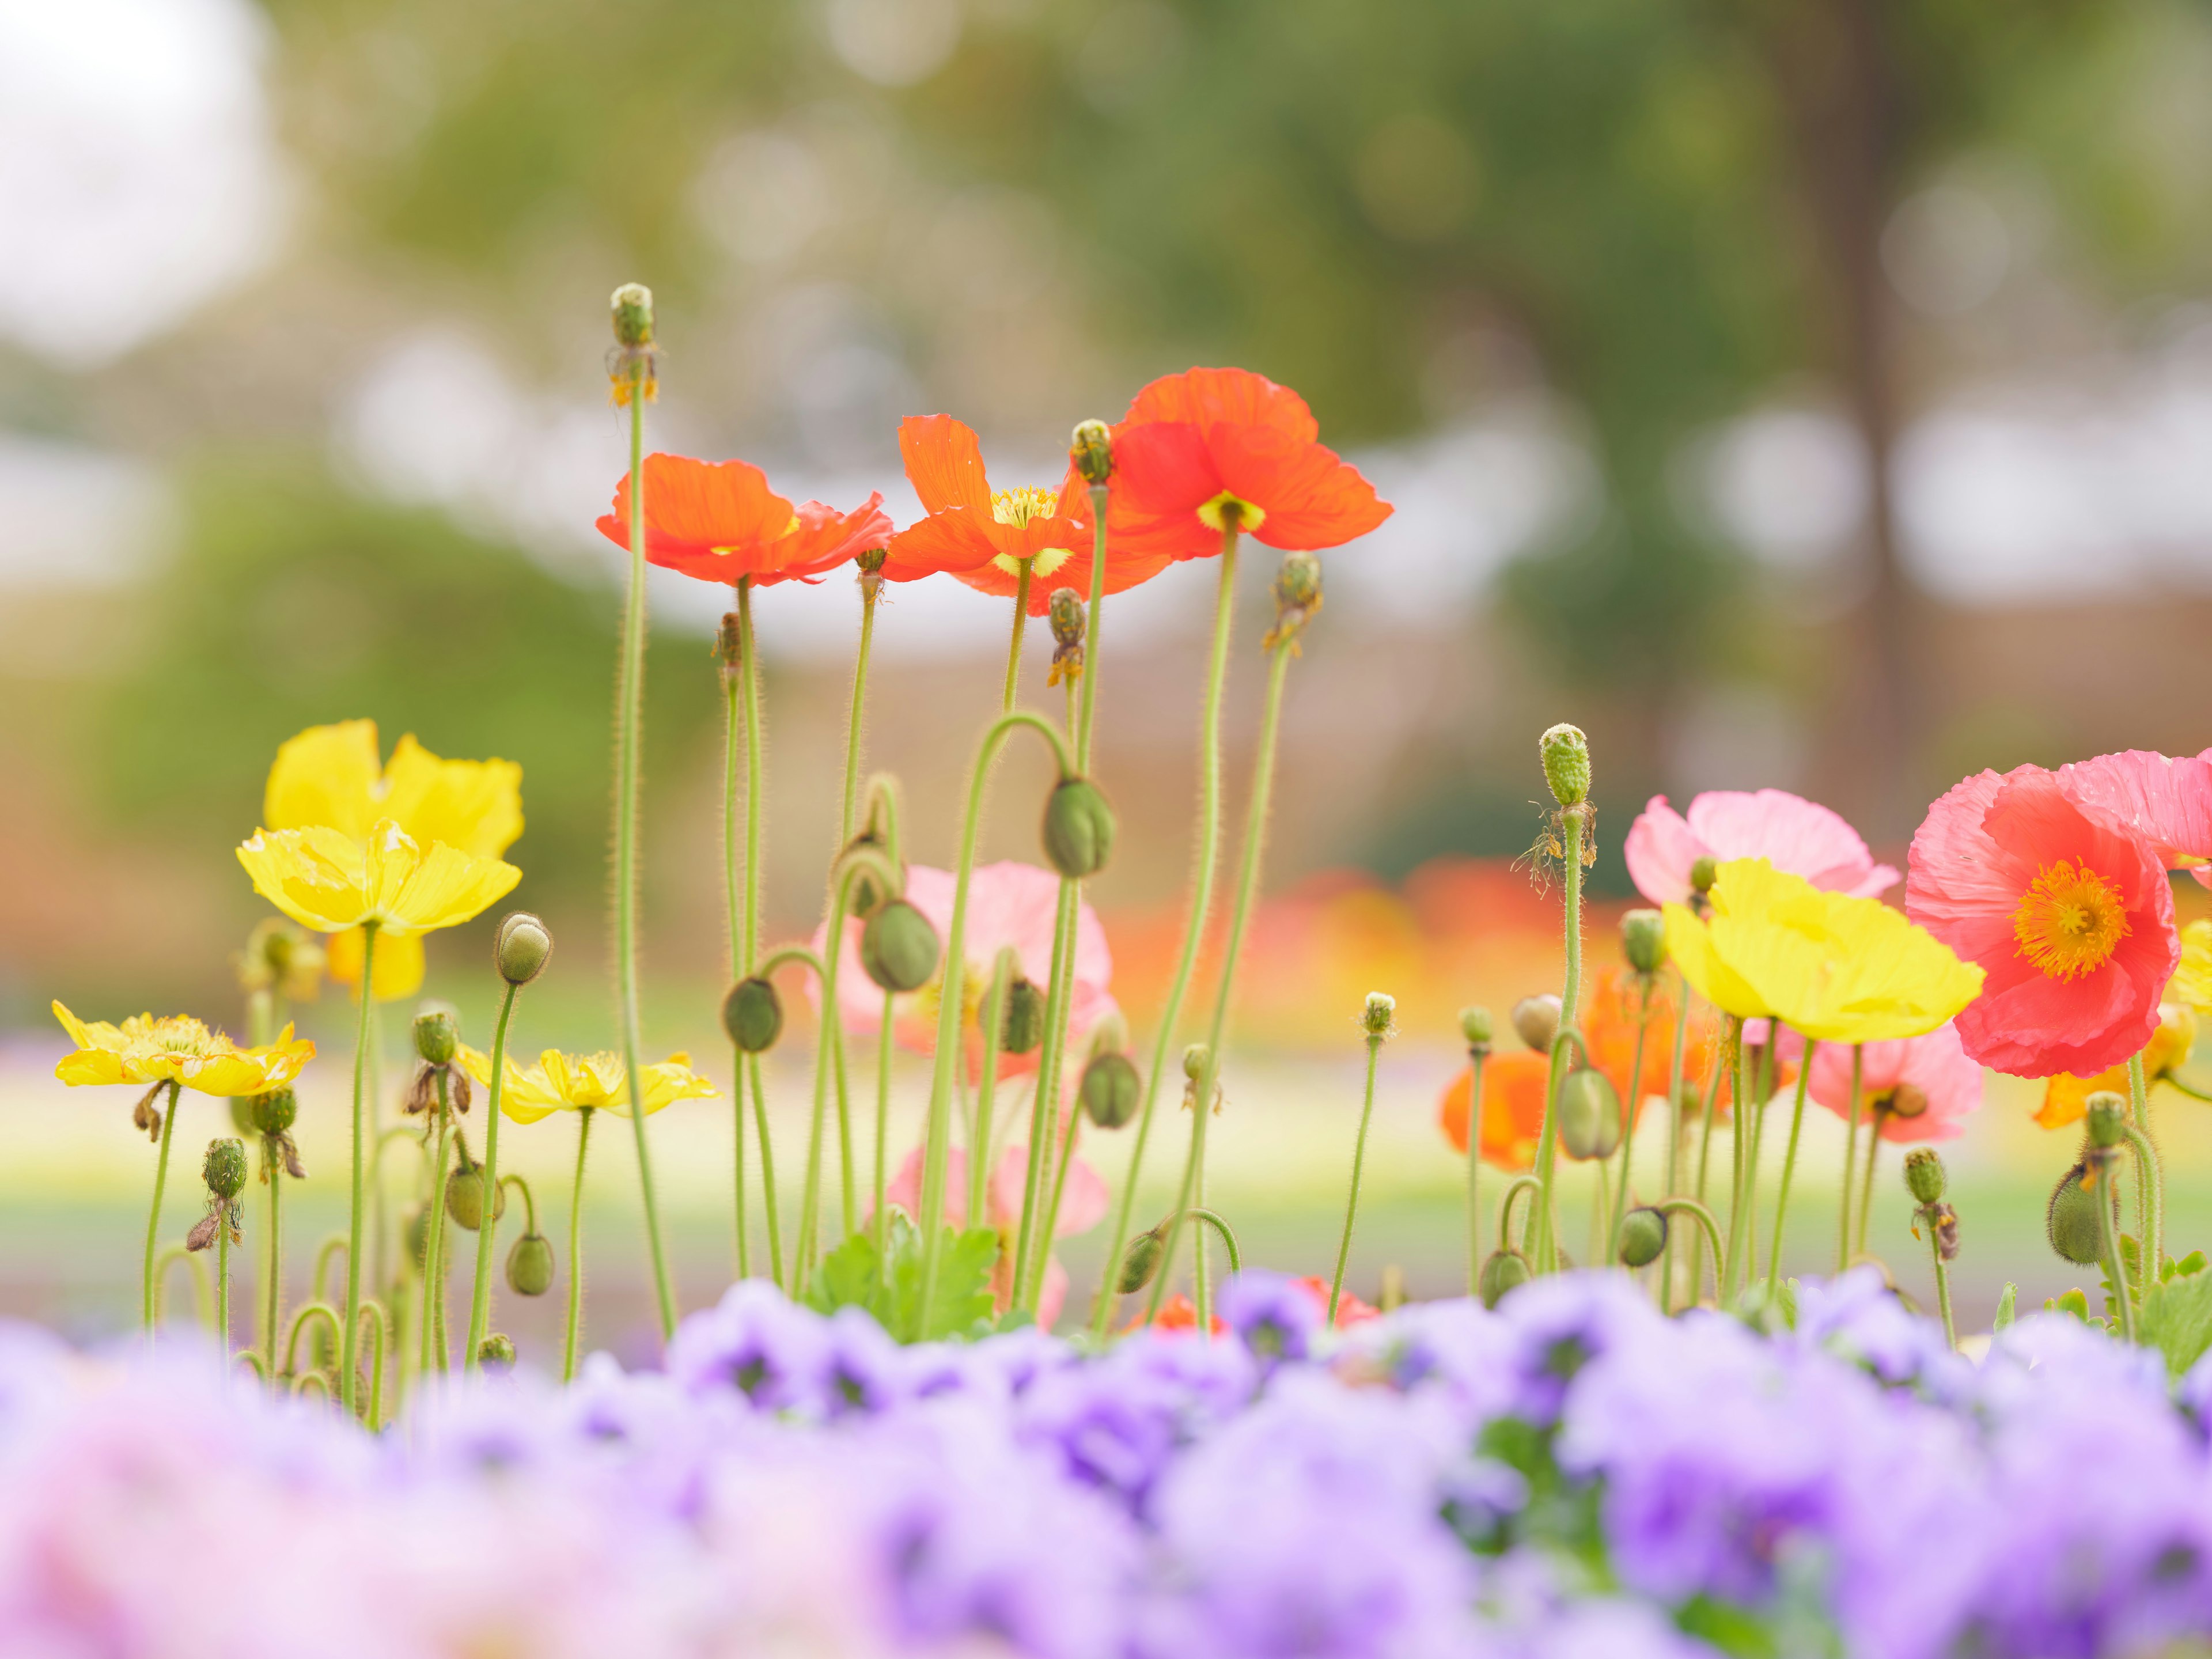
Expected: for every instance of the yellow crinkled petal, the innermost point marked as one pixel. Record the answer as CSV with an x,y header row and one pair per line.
x,y
1690,946
316,876
2193,980
673,1081
92,1066
524,1096
399,968
1886,978
90,1034
411,890
475,806
326,775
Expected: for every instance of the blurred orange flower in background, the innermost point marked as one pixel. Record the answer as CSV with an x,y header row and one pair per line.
x,y
720,521
1609,1022
1513,1092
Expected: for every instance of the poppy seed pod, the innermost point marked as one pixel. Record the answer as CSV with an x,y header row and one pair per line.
x,y
224,1167
1704,871
1078,829
752,1014
437,1036
1924,1175
1193,1061
1021,1029
2108,1119
464,1197
1908,1100
1375,1018
530,1265
275,1111
1643,940
1536,1021
1565,754
1298,582
1140,1261
522,947
632,305
1504,1272
1065,612
1642,1238
1590,1114
496,1352
1091,450
2071,1222
1111,1090
1474,1027
899,948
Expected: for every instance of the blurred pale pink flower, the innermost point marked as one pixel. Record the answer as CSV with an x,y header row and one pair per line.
x,y
1789,832
1928,1085
1082,1207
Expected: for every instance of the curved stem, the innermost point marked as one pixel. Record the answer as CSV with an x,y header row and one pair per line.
x,y
434,1236
1631,1098
749,1077
1513,1189
381,1327
1789,1162
332,1246
1850,1155
314,1310
529,1203
1475,1058
1198,1212
352,1336
154,1220
1710,1232
203,1301
488,1224
1358,1162
312,1380
2149,1176
2174,1079
1548,1143
572,1322
1021,621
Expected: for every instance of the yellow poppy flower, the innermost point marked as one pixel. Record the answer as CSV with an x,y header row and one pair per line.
x,y
1831,967
2193,980
176,1049
2066,1097
325,879
399,970
569,1083
330,775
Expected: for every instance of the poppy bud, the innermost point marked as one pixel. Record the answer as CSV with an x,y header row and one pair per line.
x,y
1021,1029
1065,612
870,565
1703,872
275,1111
1924,1175
1643,940
1193,1061
752,1014
1141,1261
2108,1119
1375,1018
1642,1238
1565,754
224,1167
1110,1090
1590,1114
522,947
1093,452
464,1197
1907,1100
2071,1221
1297,597
530,1265
437,1036
1536,1021
730,646
1506,1271
496,1352
899,948
633,315
1078,829
1474,1026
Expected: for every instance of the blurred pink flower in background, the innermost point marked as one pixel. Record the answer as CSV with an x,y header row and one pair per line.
x,y
1082,1207
1928,1085
1789,832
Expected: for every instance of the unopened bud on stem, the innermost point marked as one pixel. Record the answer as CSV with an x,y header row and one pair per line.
x,y
1643,940
1924,1175
1375,1018
1298,598
224,1167
1536,1021
1474,1027
523,945
437,1036
1021,1030
2108,1119
1078,829
1091,450
1642,1238
899,947
1565,754
752,1014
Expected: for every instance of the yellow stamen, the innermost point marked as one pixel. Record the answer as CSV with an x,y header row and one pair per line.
x,y
1018,506
1226,510
1047,560
2070,921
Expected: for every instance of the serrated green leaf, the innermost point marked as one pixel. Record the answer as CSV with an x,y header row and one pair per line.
x,y
2177,1321
2191,1263
2073,1301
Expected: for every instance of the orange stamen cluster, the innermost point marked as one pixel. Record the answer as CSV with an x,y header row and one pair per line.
x,y
2069,921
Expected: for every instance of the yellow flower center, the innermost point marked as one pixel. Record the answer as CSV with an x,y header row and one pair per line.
x,y
2070,921
1047,560
1228,512
1018,506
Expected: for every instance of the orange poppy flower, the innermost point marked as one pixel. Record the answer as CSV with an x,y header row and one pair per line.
x,y
1608,1023
1198,446
1514,1087
720,521
981,535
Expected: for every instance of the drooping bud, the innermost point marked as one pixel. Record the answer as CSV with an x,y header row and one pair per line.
x,y
1298,598
1066,614
275,1111
1091,450
1021,1029
1590,1114
530,1265
437,1036
1111,1090
1141,1261
1565,754
1376,1017
1505,1271
752,1014
146,1114
1643,940
496,1352
2108,1119
2071,1222
464,1196
1078,829
1536,1021
224,1167
899,948
1642,1239
1924,1175
1704,871
523,945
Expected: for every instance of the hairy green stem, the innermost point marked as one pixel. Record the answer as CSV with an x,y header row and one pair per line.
x,y
1709,1231
749,1077
1851,1156
1475,1060
1090,652
1358,1162
1513,1189
2116,1265
154,1220
272,1164
1866,1185
991,1017
1789,1162
882,1132
1721,1065
1014,646
434,1236
488,1222
1630,1100
349,1332
1044,1099
1547,1142
1943,1274
1674,1117
572,1322
2150,1177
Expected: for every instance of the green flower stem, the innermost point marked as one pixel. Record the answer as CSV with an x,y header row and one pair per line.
x,y
272,1166
1049,1231
871,591
260,1029
1359,1162
948,1056
1014,647
630,738
810,1204
317,1310
1044,1098
196,1269
379,1326
1866,1185
529,1203
488,1222
880,1216
1762,1091
572,1323
1201,904
1674,1117
349,1329
1737,1136
738,1158
1789,1165
1240,913
434,1234
1548,1143
2150,1178
1943,1273
1851,1156
1473,1172
1200,1213
1722,1065
991,1017
1513,1189
2115,1267
153,1220
1630,1100
748,1075
1709,1231
1090,652
334,1245
223,1288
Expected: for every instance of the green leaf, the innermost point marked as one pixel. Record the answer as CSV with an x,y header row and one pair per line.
x,y
847,1276
2073,1301
2191,1263
2177,1320
2005,1303
1733,1629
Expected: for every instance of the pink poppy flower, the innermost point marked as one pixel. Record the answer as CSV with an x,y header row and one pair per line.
x,y
1008,904
2069,914
1789,832
2165,803
1082,1207
1925,1086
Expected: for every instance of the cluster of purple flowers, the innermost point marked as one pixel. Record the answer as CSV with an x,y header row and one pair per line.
x,y
1570,1475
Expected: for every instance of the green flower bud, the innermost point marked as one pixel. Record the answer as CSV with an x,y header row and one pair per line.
x,y
530,1265
2071,1222
872,560
1111,1090
224,1167
464,1197
1474,1026
437,1036
1505,1271
523,945
1141,1261
1565,754
1093,452
1021,1030
1590,1114
1703,872
1375,1018
1078,829
633,315
275,1111
496,1352
1924,1175
2108,1119
752,1014
1642,1238
1536,1021
1643,940
1065,614
1193,1061
899,948
1298,582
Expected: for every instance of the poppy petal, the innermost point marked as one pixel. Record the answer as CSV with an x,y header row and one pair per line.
x,y
944,464
1237,396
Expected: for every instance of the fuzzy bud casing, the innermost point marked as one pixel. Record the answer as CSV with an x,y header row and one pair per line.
x,y
1375,1018
1642,1238
1078,829
464,1199
1092,451
522,947
1536,1021
899,948
529,1265
275,1111
1643,940
752,1014
496,1352
1298,582
437,1036
1140,1261
1565,754
1590,1114
2108,1119
1021,1029
1065,614
1924,1175
1111,1090
1193,1061
1704,871
1474,1026
632,305
224,1167
2071,1222
1505,1271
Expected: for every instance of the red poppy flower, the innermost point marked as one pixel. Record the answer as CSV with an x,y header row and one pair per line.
x,y
1198,446
720,521
1515,1088
980,535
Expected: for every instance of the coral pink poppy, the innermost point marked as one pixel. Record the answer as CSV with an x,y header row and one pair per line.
x,y
1082,1206
2067,913
1009,903
1789,832
1202,447
1924,1088
720,522
2163,802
